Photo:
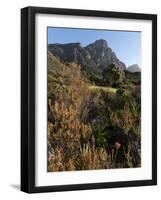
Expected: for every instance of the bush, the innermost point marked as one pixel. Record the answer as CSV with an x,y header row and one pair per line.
x,y
69,134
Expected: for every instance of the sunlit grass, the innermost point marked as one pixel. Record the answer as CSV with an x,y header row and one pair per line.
x,y
106,89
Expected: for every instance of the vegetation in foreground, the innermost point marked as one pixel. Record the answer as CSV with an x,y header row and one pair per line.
x,y
93,122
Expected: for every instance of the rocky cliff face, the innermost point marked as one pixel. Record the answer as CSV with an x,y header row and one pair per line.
x,y
97,55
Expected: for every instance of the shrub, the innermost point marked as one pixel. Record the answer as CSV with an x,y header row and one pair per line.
x,y
69,134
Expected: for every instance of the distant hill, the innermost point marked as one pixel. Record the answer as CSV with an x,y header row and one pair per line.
x,y
134,68
93,58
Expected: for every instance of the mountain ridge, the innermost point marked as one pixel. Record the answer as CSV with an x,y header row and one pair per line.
x,y
97,54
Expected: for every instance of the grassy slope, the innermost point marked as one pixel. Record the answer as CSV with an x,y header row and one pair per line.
x,y
107,89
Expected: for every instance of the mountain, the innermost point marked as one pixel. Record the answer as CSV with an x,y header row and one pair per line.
x,y
94,58
134,68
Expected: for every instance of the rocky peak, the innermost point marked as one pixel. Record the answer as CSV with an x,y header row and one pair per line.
x,y
95,55
99,44
134,68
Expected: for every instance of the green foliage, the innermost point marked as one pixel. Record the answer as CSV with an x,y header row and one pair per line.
x,y
127,117
133,78
121,92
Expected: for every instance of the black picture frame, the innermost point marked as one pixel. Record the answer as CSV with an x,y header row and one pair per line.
x,y
28,98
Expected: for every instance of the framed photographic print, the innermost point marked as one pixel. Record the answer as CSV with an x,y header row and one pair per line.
x,y
88,99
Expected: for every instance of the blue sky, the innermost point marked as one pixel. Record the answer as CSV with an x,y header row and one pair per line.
x,y
126,44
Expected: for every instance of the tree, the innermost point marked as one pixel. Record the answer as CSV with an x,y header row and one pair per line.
x,y
113,75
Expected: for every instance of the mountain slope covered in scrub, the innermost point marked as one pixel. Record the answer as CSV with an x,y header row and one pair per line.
x,y
94,118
